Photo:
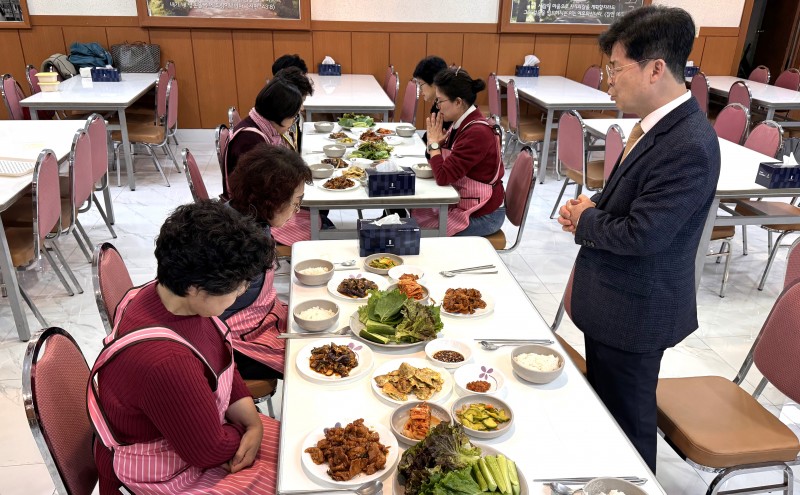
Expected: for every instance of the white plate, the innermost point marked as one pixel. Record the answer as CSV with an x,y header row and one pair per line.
x,y
359,162
321,183
319,472
394,364
393,140
478,312
363,352
337,278
356,326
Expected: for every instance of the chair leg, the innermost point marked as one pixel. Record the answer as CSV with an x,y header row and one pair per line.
x,y
270,409
772,254
769,240
80,228
559,316
78,239
172,156
33,307
578,190
727,246
63,261
107,199
58,272
558,200
157,165
116,163
744,240
103,215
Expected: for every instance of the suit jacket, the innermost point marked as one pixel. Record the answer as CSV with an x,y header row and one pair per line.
x,y
634,283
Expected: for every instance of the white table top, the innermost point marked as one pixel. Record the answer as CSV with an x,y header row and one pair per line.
x,y
560,429
347,93
763,94
559,93
427,191
599,127
81,92
24,140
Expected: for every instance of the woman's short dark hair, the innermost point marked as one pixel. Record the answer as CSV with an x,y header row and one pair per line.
x,y
264,179
428,67
296,78
278,100
456,83
653,32
287,60
212,247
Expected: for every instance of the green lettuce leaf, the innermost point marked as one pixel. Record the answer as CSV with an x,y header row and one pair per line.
x,y
419,323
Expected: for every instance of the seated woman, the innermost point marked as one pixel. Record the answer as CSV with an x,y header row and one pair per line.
x,y
267,184
171,412
424,72
467,156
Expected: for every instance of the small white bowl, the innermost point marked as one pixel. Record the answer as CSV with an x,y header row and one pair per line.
x,y
316,325
321,170
313,280
459,346
49,87
501,429
605,485
360,162
396,272
426,173
323,126
479,372
405,130
530,374
426,294
400,418
334,150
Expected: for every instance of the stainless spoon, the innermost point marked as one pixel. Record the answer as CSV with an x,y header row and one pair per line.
x,y
369,488
398,155
563,489
453,274
490,346
345,263
315,335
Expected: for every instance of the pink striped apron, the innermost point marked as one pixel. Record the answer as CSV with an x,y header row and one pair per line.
x,y
473,194
298,228
255,328
154,468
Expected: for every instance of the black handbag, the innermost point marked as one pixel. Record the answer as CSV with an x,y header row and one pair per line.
x,y
136,57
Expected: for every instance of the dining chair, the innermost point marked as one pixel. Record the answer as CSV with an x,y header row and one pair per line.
x,y
732,122
101,144
615,144
193,176
531,133
760,74
111,282
54,378
222,136
565,307
740,93
789,79
765,138
387,75
792,264
170,66
233,118
12,96
76,189
150,110
393,90
495,106
33,82
717,426
172,131
410,103
700,89
593,76
519,191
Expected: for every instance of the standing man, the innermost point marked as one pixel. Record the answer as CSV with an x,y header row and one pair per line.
x,y
633,287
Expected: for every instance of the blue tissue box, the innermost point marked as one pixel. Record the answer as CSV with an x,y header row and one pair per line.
x,y
400,239
776,175
401,183
691,71
527,71
330,69
100,74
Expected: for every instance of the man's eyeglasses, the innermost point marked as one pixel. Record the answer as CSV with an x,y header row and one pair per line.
x,y
613,72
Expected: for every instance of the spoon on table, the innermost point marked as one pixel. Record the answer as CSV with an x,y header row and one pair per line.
x,y
453,274
314,335
345,263
398,155
369,488
563,489
492,346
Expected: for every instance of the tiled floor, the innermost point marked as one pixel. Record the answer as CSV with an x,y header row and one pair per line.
x,y
541,264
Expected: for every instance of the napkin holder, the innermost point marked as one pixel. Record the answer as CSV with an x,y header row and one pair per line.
x,y
400,239
691,71
776,175
527,71
330,69
399,183
100,74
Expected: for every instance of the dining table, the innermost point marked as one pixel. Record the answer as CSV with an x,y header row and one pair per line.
x,y
773,98
23,140
407,152
555,94
560,429
81,93
347,93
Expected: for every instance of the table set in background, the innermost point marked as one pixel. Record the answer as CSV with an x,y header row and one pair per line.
x,y
348,93
773,98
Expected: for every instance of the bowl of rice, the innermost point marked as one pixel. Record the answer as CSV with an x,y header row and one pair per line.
x,y
316,315
612,486
313,272
537,363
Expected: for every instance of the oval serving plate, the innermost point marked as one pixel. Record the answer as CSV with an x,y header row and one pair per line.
x,y
356,185
356,326
394,364
478,312
333,284
362,352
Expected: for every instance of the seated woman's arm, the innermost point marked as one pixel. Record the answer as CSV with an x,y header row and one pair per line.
x,y
468,151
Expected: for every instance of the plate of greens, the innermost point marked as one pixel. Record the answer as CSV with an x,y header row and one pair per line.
x,y
372,150
350,120
391,320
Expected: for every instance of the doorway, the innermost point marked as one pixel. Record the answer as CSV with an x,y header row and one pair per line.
x,y
771,41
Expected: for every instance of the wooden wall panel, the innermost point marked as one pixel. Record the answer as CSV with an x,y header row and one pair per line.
x,y
215,74
40,42
84,34
449,46
553,51
370,55
696,55
405,51
583,52
336,45
718,55
118,35
291,42
480,58
512,51
176,45
252,56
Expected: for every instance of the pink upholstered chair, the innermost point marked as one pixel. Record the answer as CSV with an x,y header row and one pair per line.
x,y
33,82
101,144
760,74
792,264
789,79
615,144
193,176
732,122
172,131
572,139
76,189
111,281
410,101
495,106
222,137
746,438
766,138
700,88
12,96
740,93
593,77
152,110
519,190
170,66
566,307
392,90
54,378
389,72
530,133
233,118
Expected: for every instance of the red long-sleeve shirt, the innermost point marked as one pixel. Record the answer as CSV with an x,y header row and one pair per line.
x,y
474,155
161,389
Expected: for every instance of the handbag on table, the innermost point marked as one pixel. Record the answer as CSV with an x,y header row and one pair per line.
x,y
136,57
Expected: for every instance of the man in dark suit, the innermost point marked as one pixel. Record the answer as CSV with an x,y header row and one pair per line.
x,y
633,288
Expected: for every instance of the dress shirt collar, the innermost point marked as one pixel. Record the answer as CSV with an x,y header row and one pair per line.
x,y
659,113
464,116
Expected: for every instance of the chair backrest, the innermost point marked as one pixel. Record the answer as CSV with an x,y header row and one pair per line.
x,y
571,141
760,74
162,81
393,87
700,90
512,105
194,177
766,138
615,144
33,81
792,264
519,191
46,198
54,378
389,72
170,66
740,93
222,136
493,86
98,135
233,117
410,101
111,281
789,79
12,96
593,77
731,123
81,169
172,104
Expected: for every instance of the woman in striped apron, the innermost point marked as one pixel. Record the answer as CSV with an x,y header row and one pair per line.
x,y
268,185
171,413
467,156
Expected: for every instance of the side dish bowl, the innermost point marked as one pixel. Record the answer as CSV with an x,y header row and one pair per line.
x,y
316,325
309,279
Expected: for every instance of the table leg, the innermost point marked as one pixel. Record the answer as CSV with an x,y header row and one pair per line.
x,y
315,223
443,221
12,285
770,113
308,116
705,240
386,116
34,114
548,131
126,149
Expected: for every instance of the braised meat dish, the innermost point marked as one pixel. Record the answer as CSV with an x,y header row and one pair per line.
x,y
463,301
356,287
350,451
370,137
332,359
338,135
336,162
340,182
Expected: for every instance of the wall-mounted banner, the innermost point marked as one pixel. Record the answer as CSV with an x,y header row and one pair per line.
x,y
570,11
233,9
